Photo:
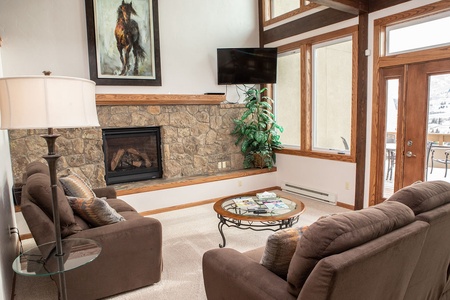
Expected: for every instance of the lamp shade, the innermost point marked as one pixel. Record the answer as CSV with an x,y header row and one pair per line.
x,y
35,102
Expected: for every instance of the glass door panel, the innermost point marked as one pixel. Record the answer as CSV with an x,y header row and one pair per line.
x,y
438,131
392,97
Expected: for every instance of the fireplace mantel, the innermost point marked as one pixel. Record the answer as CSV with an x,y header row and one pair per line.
x,y
158,99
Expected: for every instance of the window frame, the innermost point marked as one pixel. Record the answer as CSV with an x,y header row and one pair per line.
x,y
306,125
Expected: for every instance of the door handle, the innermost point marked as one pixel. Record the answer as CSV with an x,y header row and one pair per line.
x,y
410,154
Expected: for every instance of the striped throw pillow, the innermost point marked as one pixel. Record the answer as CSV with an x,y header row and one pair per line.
x,y
95,211
76,187
280,248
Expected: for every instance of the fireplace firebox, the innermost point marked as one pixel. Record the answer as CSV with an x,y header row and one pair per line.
x,y
132,154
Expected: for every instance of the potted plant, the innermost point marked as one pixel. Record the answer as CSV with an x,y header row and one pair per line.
x,y
257,130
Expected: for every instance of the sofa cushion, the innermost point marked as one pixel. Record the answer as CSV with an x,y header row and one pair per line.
x,y
95,211
39,189
76,187
120,205
423,196
280,248
338,233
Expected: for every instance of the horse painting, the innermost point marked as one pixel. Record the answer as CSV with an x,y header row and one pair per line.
x,y
127,37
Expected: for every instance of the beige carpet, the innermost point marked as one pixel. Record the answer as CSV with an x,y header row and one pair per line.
x,y
187,234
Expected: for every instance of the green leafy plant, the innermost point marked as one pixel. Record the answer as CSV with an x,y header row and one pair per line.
x,y
257,131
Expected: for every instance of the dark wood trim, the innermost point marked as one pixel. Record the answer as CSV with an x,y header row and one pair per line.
x,y
354,7
260,17
158,99
375,5
323,18
361,117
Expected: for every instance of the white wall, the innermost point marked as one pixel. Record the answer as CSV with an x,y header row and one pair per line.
x,y
321,174
51,35
8,243
194,193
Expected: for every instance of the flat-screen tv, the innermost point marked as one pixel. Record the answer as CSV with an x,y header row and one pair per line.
x,y
246,65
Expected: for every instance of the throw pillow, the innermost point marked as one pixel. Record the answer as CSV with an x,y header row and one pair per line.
x,y
280,248
95,211
74,186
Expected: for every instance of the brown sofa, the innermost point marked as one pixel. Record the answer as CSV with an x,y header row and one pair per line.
x,y
395,250
131,255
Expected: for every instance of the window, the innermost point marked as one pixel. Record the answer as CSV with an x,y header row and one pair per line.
x,y
277,10
288,92
280,7
314,95
415,35
332,95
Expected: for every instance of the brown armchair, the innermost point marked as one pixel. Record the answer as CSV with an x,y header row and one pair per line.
x,y
131,255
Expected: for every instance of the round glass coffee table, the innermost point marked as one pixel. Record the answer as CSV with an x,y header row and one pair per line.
x,y
250,212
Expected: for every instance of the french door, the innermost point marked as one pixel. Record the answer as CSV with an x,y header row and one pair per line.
x,y
413,130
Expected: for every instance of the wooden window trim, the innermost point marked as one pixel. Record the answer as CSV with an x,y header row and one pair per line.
x,y
305,47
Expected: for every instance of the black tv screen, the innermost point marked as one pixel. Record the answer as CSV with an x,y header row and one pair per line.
x,y
246,65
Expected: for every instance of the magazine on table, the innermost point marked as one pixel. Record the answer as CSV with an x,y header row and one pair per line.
x,y
277,204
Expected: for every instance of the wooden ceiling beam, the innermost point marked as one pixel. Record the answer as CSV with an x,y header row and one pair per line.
x,y
354,7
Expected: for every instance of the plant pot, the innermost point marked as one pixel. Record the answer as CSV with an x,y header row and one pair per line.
x,y
259,160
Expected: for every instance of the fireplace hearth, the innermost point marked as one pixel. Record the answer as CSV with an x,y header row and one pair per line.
x,y
132,154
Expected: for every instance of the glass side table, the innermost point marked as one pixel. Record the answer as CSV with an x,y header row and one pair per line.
x,y
42,261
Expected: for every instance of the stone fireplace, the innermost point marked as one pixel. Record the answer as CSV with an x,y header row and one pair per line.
x,y
194,138
132,154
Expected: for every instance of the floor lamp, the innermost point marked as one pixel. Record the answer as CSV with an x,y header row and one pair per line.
x,y
49,102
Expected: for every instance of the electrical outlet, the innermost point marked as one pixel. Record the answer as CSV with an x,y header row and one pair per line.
x,y
347,185
219,165
224,164
239,182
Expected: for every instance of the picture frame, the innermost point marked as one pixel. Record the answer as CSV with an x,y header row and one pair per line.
x,y
123,42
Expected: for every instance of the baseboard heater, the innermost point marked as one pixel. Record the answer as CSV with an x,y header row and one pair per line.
x,y
310,193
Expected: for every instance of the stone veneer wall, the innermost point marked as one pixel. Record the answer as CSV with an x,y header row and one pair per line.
x,y
194,139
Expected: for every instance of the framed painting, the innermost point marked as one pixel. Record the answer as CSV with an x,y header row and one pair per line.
x,y
123,42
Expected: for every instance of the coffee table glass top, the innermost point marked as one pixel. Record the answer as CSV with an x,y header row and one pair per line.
x,y
42,261
250,206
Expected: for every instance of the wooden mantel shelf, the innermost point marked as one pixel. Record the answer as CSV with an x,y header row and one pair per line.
x,y
158,99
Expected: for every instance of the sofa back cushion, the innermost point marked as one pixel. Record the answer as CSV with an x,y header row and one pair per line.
x,y
36,167
39,190
379,269
423,196
338,233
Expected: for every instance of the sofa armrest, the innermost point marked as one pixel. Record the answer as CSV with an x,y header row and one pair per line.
x,y
135,229
229,274
109,192
131,257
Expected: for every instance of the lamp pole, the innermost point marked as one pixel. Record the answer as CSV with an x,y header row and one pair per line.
x,y
51,159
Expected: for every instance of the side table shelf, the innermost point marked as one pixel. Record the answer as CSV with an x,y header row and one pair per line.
x,y
42,261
